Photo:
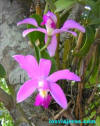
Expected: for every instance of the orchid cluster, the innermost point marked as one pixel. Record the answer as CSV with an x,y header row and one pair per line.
x,y
40,80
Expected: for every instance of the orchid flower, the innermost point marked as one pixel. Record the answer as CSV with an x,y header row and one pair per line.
x,y
41,81
50,21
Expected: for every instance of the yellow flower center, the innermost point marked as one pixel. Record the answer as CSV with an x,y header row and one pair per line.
x,y
43,93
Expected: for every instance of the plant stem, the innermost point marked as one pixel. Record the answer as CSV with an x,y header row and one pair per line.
x,y
77,48
67,47
58,40
38,8
46,8
46,45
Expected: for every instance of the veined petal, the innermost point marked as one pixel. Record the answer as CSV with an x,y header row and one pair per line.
x,y
28,63
52,46
39,101
63,74
28,21
26,90
52,16
25,32
44,67
70,24
56,31
58,94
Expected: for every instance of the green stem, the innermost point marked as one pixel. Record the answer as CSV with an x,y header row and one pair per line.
x,y
46,8
46,45
67,47
58,40
40,56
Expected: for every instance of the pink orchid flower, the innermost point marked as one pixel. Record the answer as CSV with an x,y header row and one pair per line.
x,y
50,21
40,81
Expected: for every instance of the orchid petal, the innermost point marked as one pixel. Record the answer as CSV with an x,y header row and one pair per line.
x,y
45,18
28,63
26,90
56,31
25,32
28,21
44,67
58,94
52,16
49,16
70,24
63,74
73,33
52,46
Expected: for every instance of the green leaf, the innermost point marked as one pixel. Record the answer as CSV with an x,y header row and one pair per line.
x,y
98,121
51,4
54,66
89,40
96,68
95,21
96,9
2,71
63,4
93,69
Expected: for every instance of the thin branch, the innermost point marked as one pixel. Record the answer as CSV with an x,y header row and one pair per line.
x,y
62,111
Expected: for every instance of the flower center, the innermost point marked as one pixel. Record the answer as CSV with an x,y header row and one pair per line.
x,y
43,93
43,84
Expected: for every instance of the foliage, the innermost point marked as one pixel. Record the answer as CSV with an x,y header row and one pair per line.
x,y
66,4
2,71
5,118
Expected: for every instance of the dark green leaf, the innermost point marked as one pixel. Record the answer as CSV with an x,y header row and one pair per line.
x,y
36,35
96,68
54,67
2,71
95,21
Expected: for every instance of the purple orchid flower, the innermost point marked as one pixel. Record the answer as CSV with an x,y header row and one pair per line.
x,y
40,81
50,20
